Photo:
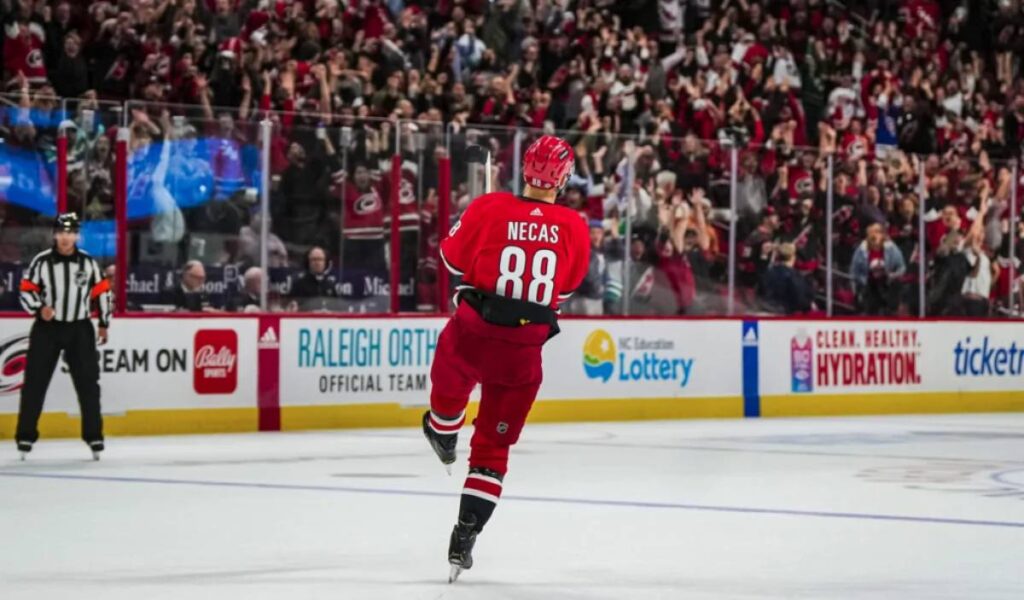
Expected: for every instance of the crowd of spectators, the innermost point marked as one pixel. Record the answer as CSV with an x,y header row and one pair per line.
x,y
904,111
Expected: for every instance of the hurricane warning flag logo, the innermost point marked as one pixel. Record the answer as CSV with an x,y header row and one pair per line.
x,y
599,355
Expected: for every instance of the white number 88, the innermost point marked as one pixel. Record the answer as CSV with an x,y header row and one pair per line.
x,y
512,266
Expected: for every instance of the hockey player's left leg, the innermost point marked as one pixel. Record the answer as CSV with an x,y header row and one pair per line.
x,y
479,498
460,546
503,412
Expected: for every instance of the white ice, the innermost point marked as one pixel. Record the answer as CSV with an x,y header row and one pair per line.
x,y
889,507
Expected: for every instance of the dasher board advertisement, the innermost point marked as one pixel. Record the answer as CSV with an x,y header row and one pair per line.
x,y
149,363
846,357
357,361
635,358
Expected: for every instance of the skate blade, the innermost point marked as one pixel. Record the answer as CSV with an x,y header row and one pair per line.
x,y
448,469
453,573
24,455
95,456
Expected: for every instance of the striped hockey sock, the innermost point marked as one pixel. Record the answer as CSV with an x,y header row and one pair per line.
x,y
445,425
480,494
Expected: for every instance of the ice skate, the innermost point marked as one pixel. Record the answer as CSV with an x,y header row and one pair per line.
x,y
443,445
23,449
96,448
460,547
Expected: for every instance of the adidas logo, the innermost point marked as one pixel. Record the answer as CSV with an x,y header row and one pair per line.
x,y
536,213
268,339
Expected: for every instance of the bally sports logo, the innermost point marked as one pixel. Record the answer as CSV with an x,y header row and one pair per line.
x,y
13,352
216,361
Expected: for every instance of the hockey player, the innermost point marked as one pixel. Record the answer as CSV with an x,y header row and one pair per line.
x,y
518,257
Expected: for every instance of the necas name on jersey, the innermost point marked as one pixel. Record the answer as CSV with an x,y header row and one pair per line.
x,y
520,231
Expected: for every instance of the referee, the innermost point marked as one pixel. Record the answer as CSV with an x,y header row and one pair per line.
x,y
57,289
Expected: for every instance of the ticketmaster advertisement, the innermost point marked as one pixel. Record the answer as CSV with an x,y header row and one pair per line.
x,y
148,364
849,357
635,358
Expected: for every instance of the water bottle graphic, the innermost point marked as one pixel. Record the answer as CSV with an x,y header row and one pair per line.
x,y
801,358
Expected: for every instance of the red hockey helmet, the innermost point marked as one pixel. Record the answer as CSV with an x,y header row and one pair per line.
x,y
548,163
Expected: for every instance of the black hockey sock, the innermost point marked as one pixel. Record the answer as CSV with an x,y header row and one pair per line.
x,y
480,495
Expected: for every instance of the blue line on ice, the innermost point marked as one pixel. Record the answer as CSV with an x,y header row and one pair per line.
x,y
540,499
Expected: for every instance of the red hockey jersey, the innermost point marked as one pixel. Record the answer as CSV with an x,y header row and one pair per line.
x,y
363,212
519,248
23,51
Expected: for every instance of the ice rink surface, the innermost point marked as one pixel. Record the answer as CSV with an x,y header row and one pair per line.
x,y
890,507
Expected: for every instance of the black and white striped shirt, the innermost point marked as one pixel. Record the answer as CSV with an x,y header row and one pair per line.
x,y
68,284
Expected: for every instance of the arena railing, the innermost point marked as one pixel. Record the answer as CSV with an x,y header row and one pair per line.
x,y
243,207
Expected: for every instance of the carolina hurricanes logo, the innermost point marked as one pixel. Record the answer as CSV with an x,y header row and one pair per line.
x,y
857,149
13,352
368,203
804,185
34,59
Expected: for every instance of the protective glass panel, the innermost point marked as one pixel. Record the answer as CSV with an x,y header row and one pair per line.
x,y
90,127
876,220
193,188
329,205
969,236
28,184
422,145
679,228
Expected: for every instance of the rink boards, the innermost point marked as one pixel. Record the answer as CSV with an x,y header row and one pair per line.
x,y
181,374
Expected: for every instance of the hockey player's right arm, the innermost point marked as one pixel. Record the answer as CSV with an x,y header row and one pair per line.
x,y
31,287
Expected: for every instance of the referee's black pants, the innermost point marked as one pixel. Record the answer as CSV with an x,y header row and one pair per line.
x,y
46,341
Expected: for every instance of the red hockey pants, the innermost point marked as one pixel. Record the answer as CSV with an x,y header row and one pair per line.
x,y
506,362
